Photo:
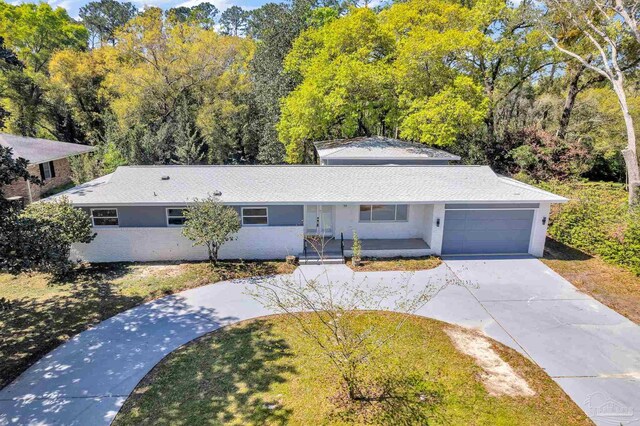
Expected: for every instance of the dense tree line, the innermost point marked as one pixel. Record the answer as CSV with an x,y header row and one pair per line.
x,y
547,89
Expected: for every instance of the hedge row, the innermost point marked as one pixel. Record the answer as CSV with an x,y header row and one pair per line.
x,y
597,221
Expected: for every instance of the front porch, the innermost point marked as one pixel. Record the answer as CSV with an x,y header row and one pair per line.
x,y
328,249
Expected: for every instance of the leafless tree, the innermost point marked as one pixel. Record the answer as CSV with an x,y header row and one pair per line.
x,y
328,312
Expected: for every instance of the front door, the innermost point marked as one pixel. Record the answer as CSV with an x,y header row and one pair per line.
x,y
318,220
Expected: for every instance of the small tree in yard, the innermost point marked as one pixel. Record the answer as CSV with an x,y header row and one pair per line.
x,y
41,237
208,222
328,313
356,248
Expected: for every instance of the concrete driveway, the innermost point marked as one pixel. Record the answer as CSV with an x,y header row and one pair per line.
x,y
590,350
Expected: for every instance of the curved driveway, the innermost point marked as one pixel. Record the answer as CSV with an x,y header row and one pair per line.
x,y
590,350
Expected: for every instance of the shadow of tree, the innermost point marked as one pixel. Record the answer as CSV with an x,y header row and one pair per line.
x,y
402,398
31,327
557,251
233,368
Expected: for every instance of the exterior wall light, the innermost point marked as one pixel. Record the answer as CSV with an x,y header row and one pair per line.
x,y
544,220
438,222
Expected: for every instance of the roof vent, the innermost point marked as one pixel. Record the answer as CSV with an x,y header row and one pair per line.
x,y
165,177
217,193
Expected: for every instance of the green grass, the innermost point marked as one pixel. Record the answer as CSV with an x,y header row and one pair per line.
x,y
37,314
267,372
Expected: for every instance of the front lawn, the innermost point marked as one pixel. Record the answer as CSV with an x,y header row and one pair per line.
x,y
612,285
372,264
266,371
36,314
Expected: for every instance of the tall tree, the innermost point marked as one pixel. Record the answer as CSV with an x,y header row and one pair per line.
x,y
189,142
275,27
160,64
234,21
35,32
203,14
78,78
346,87
102,18
8,61
600,23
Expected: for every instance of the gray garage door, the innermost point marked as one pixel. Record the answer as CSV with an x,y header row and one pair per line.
x,y
487,231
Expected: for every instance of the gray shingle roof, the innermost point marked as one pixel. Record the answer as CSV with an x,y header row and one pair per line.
x,y
41,150
304,184
378,147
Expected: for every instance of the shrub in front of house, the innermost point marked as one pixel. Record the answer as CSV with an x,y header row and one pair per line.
x,y
597,221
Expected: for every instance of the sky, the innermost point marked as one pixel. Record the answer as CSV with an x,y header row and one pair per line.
x,y
73,6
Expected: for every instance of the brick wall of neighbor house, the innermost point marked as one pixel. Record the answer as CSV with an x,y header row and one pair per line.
x,y
20,189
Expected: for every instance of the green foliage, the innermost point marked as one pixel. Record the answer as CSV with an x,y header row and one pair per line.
x,y
41,236
102,18
403,70
34,32
202,14
439,120
210,223
11,170
234,21
356,247
597,221
346,88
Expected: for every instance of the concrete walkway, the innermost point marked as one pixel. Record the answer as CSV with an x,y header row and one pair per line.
x,y
590,350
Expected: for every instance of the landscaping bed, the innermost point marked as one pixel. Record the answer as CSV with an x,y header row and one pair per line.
x,y
37,314
371,264
266,371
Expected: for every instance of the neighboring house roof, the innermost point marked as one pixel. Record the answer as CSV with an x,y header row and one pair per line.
x,y
144,185
41,150
378,147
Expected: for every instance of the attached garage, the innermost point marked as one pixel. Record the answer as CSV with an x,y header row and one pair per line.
x,y
470,229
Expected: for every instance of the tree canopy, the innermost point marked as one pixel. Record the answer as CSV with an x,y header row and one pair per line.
x,y
512,85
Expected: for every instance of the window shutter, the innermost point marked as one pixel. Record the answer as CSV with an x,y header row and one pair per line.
x,y
41,171
53,171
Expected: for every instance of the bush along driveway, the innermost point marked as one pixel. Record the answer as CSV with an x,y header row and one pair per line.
x,y
588,349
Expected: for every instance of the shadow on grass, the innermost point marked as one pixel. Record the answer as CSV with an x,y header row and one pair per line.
x,y
555,250
222,377
403,399
30,328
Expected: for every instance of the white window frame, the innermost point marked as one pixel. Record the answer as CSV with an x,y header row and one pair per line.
x,y
166,214
395,214
46,167
266,214
117,216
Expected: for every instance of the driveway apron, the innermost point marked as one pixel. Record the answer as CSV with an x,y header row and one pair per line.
x,y
590,350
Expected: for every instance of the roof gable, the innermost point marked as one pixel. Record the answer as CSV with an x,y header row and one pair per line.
x,y
38,150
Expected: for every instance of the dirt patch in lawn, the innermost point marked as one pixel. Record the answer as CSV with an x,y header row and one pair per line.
x,y
160,270
371,264
612,285
498,377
